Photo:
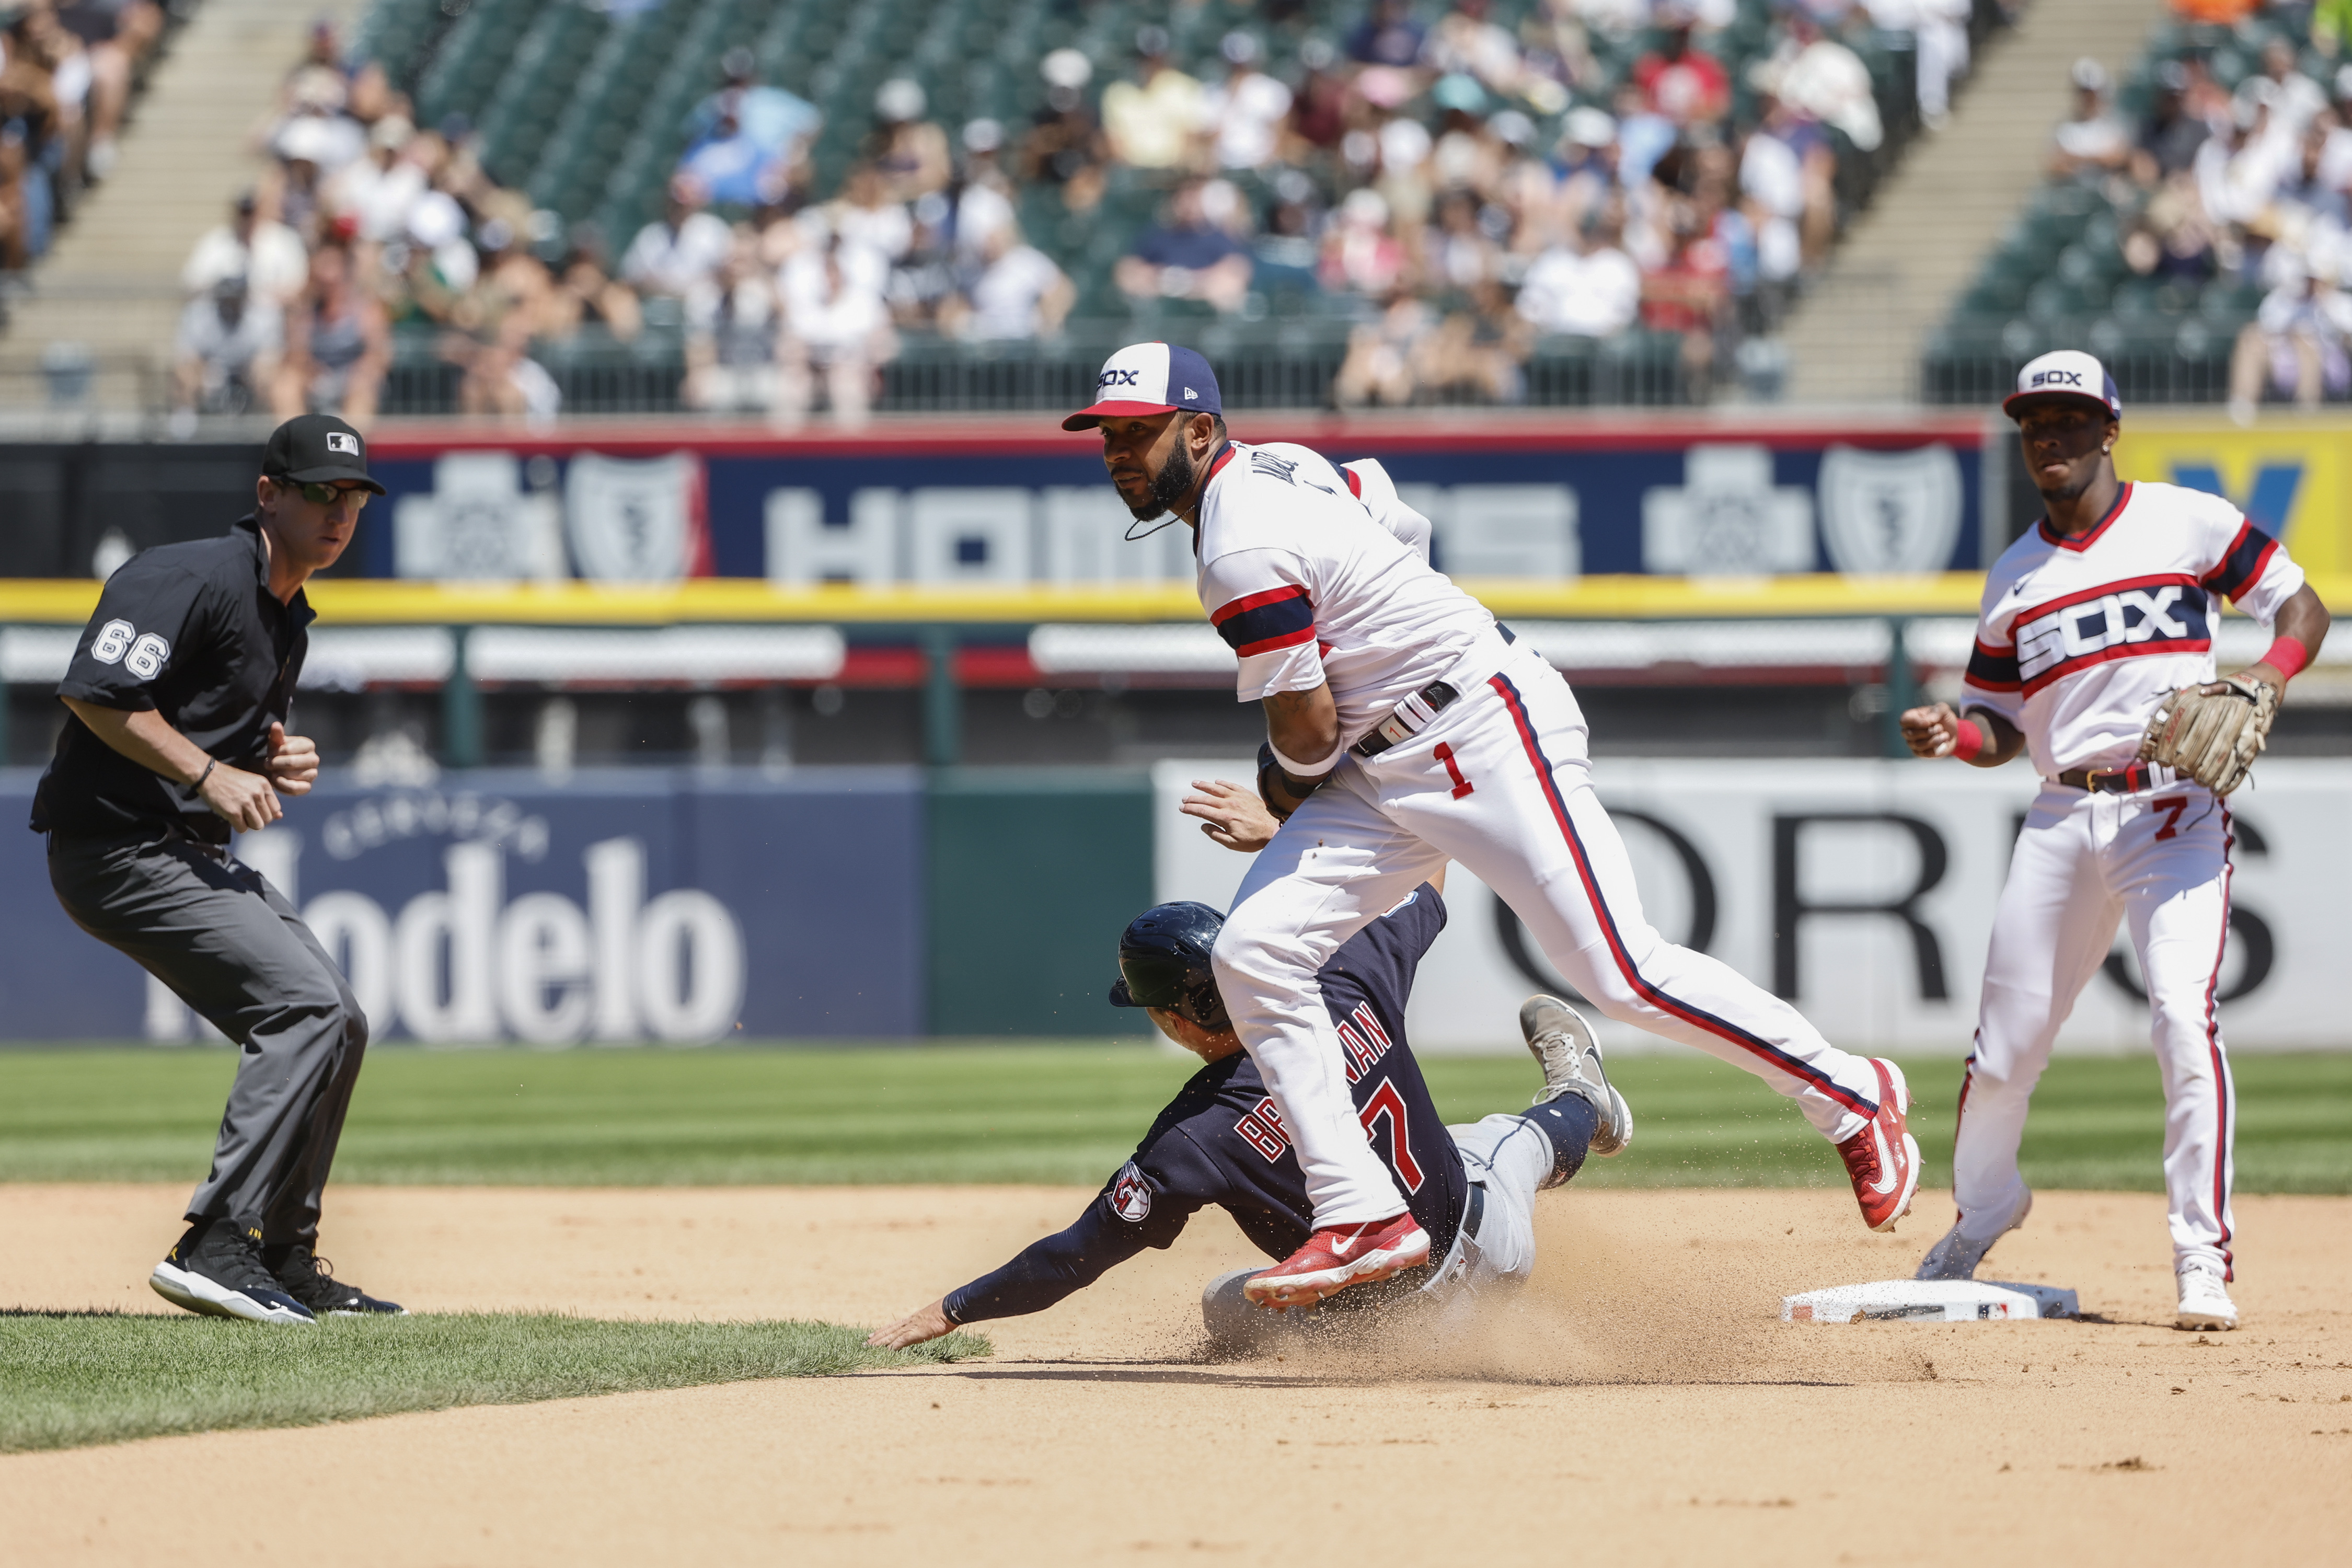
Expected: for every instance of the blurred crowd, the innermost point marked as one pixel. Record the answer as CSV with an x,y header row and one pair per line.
x,y
366,224
1468,191
1454,195
2238,174
66,70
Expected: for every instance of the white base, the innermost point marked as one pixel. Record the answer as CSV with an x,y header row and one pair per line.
x,y
1928,1301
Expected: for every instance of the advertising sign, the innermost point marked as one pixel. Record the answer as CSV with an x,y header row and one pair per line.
x,y
627,906
1549,501
2287,475
1864,892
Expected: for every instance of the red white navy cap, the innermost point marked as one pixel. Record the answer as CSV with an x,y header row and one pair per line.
x,y
2065,373
1150,378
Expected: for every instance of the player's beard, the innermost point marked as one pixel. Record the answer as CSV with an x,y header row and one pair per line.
x,y
1173,481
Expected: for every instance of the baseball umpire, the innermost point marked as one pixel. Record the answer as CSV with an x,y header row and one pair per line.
x,y
2094,652
181,691
1220,1141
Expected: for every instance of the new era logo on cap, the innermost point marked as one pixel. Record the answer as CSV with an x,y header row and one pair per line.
x,y
1150,378
2065,373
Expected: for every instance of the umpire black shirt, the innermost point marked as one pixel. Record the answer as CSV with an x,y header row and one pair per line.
x,y
192,632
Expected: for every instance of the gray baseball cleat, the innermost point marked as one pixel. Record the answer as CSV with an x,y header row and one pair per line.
x,y
1561,1042
1957,1256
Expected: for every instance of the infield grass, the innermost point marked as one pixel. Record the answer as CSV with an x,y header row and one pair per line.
x,y
69,1380
1049,1113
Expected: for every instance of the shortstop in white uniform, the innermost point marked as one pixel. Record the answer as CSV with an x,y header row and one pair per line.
x,y
1309,584
2079,640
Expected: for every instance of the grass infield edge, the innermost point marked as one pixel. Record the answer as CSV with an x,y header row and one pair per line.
x,y
73,1380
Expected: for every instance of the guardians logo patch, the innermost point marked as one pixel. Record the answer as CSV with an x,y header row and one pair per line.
x,y
1131,1194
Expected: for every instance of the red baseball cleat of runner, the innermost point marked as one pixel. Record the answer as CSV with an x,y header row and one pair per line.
x,y
1883,1158
1337,1256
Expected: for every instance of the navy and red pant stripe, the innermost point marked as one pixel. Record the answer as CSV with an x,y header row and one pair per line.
x,y
1699,1017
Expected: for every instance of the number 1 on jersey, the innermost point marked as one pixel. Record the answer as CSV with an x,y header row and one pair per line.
x,y
1445,753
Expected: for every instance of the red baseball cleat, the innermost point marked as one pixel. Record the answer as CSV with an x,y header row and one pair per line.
x,y
1883,1158
1337,1256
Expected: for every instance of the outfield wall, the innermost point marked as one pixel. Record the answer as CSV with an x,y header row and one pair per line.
x,y
895,903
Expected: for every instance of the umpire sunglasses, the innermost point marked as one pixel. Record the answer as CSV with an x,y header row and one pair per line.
x,y
326,494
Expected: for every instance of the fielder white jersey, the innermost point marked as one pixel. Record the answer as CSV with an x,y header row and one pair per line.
x,y
1307,583
2079,640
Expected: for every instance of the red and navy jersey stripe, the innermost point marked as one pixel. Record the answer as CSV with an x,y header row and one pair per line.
x,y
2242,564
1992,668
1266,623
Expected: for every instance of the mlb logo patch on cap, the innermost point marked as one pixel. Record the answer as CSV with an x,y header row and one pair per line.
x,y
2065,373
1150,378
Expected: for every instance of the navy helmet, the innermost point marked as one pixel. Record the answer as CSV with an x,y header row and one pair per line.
x,y
1163,962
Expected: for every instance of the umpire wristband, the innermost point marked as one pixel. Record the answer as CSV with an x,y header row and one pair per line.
x,y
198,782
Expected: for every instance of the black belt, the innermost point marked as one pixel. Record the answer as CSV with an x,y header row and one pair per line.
x,y
1474,1214
2112,781
1401,725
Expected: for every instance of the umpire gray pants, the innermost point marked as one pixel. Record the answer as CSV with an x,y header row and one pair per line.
x,y
230,946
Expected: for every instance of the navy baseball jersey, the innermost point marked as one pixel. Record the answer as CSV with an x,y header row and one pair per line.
x,y
1220,1141
192,632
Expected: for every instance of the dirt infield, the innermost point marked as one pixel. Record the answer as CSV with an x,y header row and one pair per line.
x,y
1639,1399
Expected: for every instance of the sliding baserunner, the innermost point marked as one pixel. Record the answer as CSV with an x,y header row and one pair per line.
x,y
1221,1142
1404,730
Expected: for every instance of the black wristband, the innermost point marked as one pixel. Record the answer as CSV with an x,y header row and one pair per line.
x,y
198,782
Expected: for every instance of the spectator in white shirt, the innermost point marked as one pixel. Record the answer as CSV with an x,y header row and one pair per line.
x,y
377,192
1242,115
1940,29
1820,77
265,254
731,325
2296,343
2091,142
1019,293
868,222
679,251
1589,289
834,318
228,353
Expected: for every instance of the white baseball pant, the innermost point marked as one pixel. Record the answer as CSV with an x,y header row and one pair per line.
x,y
1500,782
1510,1157
2161,861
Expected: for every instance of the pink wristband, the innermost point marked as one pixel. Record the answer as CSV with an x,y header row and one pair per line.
x,y
2288,656
1967,741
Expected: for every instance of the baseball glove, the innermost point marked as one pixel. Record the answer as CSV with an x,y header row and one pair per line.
x,y
2212,734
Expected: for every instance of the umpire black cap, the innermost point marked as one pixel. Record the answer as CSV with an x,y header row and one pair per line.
x,y
317,449
1163,962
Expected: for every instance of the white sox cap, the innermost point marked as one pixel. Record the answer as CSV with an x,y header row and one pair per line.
x,y
1150,378
2065,373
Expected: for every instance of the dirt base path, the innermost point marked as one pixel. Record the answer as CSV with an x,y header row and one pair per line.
x,y
1639,1400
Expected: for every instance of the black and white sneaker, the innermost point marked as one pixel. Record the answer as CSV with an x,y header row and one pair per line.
x,y
217,1269
1560,1040
311,1279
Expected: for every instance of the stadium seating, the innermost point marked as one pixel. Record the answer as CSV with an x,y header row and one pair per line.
x,y
584,108
2058,279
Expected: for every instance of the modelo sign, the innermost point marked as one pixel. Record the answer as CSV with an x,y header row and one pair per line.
x,y
637,904
1865,893
465,961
